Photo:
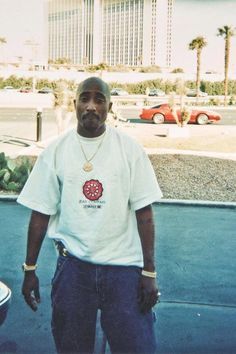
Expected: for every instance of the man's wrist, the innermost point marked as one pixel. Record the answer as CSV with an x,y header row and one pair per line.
x,y
29,268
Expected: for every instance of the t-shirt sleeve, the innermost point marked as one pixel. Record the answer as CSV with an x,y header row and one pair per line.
x,y
145,189
42,190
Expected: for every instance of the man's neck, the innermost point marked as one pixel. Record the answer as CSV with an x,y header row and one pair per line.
x,y
91,133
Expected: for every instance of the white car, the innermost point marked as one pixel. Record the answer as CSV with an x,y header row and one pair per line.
x,y
193,93
118,92
5,298
8,89
156,92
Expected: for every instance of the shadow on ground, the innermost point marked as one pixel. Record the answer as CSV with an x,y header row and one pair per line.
x,y
196,266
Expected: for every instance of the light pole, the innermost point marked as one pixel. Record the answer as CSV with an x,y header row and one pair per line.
x,y
39,124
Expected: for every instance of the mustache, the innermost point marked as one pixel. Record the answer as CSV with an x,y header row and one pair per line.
x,y
90,115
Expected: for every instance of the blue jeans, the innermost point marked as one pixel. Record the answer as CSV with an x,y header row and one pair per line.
x,y
79,289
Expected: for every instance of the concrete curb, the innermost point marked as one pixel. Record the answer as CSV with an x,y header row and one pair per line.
x,y
204,203
211,154
8,197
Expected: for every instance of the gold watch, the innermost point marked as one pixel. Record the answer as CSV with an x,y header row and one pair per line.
x,y
28,268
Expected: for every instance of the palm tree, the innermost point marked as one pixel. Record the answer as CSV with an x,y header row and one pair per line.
x,y
3,40
226,32
198,44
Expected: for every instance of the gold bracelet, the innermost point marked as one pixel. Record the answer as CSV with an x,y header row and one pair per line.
x,y
149,274
28,268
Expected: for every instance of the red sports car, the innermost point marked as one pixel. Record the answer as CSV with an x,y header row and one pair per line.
x,y
25,89
162,113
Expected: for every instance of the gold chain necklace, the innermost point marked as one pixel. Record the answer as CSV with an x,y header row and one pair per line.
x,y
88,166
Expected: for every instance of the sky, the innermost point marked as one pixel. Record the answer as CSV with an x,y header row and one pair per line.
x,y
22,20
194,18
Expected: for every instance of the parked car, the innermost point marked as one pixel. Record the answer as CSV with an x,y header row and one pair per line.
x,y
8,88
25,89
193,93
45,90
156,92
5,298
118,92
162,113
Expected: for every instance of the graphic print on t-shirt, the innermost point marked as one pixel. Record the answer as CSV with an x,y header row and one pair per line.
x,y
92,189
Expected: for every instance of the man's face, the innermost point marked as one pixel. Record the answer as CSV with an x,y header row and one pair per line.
x,y
92,105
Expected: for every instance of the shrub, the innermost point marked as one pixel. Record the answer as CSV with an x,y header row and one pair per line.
x,y
177,70
150,69
214,102
232,100
12,175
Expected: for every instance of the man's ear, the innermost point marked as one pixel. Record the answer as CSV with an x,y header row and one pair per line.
x,y
110,105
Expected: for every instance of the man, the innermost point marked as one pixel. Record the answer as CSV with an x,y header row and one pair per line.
x,y
91,190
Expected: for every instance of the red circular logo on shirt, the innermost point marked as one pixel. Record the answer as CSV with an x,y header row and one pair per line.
x,y
93,189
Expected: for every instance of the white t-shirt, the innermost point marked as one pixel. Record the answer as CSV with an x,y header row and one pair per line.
x,y
93,213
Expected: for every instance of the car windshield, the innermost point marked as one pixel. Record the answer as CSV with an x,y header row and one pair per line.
x,y
158,106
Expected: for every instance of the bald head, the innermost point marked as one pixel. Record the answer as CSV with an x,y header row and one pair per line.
x,y
94,83
92,105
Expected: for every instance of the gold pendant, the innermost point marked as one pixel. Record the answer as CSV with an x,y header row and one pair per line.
x,y
87,167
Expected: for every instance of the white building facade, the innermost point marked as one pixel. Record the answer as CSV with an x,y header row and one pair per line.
x,y
126,32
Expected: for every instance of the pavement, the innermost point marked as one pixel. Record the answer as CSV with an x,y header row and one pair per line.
x,y
196,272
211,140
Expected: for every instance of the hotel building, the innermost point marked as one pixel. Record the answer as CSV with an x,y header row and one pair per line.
x,y
127,32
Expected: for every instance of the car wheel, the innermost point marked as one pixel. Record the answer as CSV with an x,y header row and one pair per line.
x,y
202,119
158,118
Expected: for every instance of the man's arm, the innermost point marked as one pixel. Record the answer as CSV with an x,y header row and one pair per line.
x,y
148,291
36,233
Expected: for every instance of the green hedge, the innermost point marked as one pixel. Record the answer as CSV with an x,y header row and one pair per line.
x,y
212,88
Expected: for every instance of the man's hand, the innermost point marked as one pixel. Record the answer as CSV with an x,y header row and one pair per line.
x,y
148,294
30,290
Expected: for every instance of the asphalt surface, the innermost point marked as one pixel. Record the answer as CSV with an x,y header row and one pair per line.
x,y
196,270
19,115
